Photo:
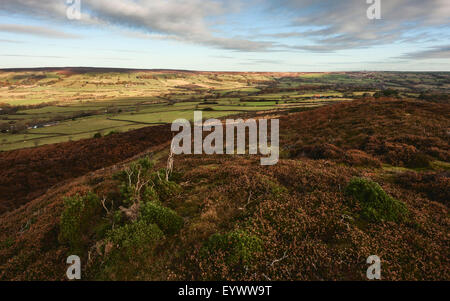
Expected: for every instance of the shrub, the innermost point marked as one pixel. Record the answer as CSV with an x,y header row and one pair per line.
x,y
98,135
150,194
164,189
157,189
78,214
238,246
135,236
141,169
168,220
128,249
376,204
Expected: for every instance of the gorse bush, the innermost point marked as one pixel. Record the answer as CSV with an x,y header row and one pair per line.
x,y
136,235
128,249
238,247
164,189
149,194
156,189
136,173
77,217
126,238
376,204
167,220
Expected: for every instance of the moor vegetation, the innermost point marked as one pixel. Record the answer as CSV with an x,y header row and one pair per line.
x,y
27,173
354,179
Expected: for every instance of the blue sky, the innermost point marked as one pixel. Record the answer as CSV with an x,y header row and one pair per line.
x,y
232,35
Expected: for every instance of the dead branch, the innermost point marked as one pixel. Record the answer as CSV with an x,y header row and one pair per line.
x,y
280,259
132,212
129,173
104,206
24,228
169,167
248,201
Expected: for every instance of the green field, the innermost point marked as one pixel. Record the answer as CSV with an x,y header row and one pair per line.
x,y
129,118
44,107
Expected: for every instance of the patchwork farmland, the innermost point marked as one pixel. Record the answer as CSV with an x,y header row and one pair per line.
x,y
41,107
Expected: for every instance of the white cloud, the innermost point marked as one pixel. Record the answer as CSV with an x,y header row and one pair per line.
x,y
344,24
437,52
36,30
184,20
337,24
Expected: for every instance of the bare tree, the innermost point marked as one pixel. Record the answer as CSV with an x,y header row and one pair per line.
x,y
133,211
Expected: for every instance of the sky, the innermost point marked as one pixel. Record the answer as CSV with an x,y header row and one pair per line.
x,y
227,35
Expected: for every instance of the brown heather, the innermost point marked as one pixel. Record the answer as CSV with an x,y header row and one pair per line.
x,y
309,228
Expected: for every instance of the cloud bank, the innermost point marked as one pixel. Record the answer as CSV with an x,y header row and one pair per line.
x,y
321,26
344,24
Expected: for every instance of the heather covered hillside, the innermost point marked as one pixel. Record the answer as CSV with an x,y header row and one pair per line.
x,y
27,173
369,177
217,148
